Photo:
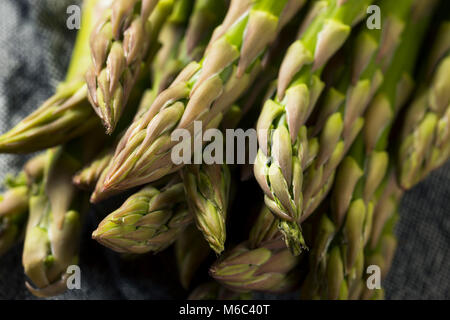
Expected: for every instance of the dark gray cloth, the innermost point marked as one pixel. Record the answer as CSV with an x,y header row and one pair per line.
x,y
35,48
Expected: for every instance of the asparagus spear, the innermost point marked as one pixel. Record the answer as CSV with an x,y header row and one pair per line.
x,y
67,113
262,263
202,92
14,203
207,190
267,268
54,223
119,44
379,242
149,220
426,133
11,226
88,176
282,139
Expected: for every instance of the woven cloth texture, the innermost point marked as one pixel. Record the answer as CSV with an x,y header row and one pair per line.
x,y
35,47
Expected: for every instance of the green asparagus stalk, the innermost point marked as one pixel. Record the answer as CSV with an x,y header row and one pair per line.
x,y
54,223
207,190
87,177
94,171
282,138
14,203
191,251
67,114
149,220
119,44
426,131
380,242
202,92
326,277
262,263
12,224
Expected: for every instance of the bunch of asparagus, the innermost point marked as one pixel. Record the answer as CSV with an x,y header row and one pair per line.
x,y
348,118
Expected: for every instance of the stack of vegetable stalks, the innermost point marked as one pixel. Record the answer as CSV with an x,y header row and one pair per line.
x,y
349,117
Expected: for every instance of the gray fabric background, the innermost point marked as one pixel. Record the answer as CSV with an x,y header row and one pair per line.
x,y
35,50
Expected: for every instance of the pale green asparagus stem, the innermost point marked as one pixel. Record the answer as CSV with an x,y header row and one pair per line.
x,y
51,240
267,268
119,44
14,203
149,220
263,263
